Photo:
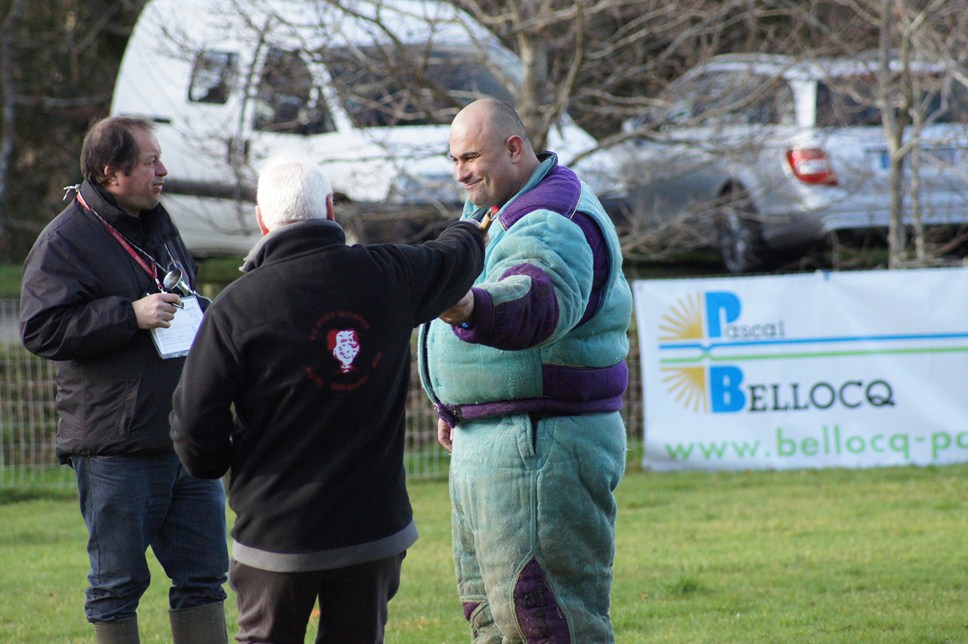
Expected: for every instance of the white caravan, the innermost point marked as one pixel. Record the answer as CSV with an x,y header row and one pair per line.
x,y
366,90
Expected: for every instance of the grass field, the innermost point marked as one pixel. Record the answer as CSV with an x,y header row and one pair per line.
x,y
877,555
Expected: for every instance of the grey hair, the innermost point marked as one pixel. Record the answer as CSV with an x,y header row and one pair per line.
x,y
290,191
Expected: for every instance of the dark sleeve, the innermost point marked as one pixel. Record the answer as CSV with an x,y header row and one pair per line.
x,y
440,272
65,312
202,421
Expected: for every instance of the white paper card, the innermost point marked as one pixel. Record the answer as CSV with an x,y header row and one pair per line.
x,y
176,340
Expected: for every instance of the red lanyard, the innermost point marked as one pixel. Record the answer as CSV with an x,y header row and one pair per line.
x,y
125,244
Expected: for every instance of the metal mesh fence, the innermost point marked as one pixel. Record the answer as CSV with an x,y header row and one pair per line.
x,y
28,422
27,419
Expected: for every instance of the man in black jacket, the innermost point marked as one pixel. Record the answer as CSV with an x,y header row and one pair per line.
x,y
92,295
311,348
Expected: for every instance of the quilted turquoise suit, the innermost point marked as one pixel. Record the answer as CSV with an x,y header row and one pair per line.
x,y
533,385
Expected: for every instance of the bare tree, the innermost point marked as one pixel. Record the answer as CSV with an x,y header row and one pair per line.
x,y
8,93
910,35
57,64
601,62
294,66
905,36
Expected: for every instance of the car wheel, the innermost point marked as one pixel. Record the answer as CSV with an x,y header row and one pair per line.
x,y
740,239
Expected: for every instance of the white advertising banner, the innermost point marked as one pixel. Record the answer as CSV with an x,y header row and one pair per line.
x,y
829,369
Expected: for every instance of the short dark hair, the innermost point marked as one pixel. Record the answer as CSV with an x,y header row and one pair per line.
x,y
110,142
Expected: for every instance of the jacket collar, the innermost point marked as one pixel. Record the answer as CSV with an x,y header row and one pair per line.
x,y
105,205
301,237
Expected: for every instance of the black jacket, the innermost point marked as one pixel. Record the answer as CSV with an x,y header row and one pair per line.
x,y
316,452
113,390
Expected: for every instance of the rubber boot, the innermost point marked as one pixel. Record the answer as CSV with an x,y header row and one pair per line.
x,y
198,625
122,631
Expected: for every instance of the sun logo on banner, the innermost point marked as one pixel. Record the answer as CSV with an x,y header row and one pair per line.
x,y
682,323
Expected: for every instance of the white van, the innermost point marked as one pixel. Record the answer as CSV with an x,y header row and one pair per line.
x,y
367,91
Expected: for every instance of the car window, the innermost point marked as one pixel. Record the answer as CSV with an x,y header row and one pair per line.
x,y
213,76
851,101
287,99
848,101
731,98
945,101
715,102
699,99
380,88
766,100
681,96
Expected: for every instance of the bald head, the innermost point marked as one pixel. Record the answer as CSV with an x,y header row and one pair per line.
x,y
493,158
493,115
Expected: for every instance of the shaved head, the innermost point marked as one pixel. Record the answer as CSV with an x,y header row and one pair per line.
x,y
506,118
492,155
495,117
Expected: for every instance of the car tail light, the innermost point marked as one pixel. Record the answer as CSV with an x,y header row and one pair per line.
x,y
811,165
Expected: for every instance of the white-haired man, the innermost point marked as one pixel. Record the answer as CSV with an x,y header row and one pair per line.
x,y
312,442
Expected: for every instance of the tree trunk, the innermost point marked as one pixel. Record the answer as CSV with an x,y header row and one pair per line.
x,y
893,134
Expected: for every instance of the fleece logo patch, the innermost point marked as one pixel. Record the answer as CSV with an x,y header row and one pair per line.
x,y
342,357
345,346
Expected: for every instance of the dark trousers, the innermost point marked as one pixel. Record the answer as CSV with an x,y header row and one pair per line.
x,y
274,607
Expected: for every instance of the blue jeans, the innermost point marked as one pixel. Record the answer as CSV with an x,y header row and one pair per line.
x,y
132,502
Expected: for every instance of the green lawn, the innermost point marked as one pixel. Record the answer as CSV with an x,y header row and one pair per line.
x,y
877,555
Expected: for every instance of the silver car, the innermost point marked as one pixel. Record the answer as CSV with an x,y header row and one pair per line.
x,y
765,153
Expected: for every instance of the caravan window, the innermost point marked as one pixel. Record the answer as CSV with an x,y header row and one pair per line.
x,y
213,75
287,99
380,87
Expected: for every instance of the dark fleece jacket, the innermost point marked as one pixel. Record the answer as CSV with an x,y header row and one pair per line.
x,y
312,348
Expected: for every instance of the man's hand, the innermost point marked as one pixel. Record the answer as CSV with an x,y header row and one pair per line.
x,y
445,434
156,310
460,312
